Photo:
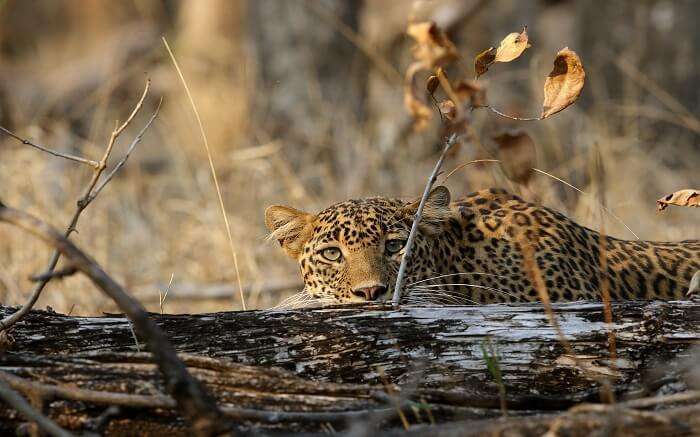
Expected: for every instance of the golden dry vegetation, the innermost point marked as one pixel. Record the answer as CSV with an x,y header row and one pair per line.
x,y
302,104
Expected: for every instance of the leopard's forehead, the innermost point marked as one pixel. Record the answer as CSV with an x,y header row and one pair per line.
x,y
358,222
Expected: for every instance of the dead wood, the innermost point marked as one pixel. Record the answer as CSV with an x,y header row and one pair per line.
x,y
301,370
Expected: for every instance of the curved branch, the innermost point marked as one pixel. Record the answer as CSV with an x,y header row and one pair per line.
x,y
90,193
195,402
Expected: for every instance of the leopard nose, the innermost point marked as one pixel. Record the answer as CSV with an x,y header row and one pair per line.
x,y
370,293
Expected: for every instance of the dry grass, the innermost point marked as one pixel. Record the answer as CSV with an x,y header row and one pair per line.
x,y
161,216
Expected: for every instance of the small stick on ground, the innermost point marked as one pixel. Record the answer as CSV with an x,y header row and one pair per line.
x,y
24,408
91,191
419,214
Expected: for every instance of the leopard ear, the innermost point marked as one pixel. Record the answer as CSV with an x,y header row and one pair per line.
x,y
438,200
290,227
436,209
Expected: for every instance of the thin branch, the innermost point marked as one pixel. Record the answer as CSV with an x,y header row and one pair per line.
x,y
193,400
537,170
90,162
24,408
461,166
211,167
606,209
54,274
87,197
131,148
504,115
419,213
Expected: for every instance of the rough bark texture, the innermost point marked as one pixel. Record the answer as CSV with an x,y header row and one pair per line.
x,y
356,367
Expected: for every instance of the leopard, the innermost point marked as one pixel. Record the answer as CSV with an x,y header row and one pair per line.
x,y
490,246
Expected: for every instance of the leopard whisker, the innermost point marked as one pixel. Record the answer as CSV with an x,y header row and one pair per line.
x,y
495,290
443,293
298,300
431,298
457,274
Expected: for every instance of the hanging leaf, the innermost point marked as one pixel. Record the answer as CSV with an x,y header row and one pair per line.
x,y
564,83
512,46
517,154
432,48
483,61
432,83
448,109
687,197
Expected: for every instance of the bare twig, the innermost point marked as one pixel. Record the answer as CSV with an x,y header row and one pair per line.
x,y
504,115
535,277
91,191
461,166
162,296
195,402
599,174
560,180
24,408
54,274
391,397
211,167
419,213
606,209
90,162
126,156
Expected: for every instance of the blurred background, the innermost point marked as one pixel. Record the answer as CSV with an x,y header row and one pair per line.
x,y
302,103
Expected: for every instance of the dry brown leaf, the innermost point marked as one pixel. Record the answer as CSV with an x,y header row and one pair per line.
x,y
483,61
564,83
419,109
687,197
420,112
512,46
432,83
471,91
517,154
448,109
432,48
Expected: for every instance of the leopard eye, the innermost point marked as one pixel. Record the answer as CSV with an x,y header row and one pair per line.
x,y
394,246
332,254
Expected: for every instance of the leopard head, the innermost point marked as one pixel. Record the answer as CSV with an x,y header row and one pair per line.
x,y
351,251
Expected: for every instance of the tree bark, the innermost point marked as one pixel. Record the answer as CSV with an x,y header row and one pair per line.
x,y
360,368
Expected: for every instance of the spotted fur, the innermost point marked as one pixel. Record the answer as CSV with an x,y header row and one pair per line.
x,y
472,251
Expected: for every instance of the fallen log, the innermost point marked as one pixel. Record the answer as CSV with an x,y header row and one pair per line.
x,y
353,366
